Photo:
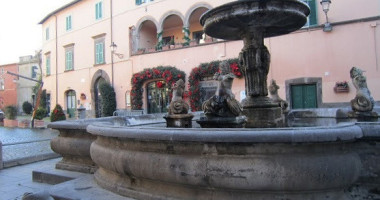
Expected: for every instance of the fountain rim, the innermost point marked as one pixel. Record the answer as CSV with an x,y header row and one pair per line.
x,y
342,132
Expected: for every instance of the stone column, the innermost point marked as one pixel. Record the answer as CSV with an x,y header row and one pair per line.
x,y
260,110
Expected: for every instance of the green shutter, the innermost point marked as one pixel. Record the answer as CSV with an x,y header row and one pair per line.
x,y
99,53
138,2
48,66
310,96
313,12
297,96
100,10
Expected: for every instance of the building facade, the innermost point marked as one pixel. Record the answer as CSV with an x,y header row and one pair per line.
x,y
89,42
8,86
29,67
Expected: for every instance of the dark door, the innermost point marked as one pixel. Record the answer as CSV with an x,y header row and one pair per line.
x,y
304,96
98,97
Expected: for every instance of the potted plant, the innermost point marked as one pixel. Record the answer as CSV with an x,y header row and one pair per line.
x,y
38,121
10,116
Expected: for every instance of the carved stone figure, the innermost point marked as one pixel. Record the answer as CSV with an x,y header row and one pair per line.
x,y
273,90
222,109
178,105
223,103
178,109
363,101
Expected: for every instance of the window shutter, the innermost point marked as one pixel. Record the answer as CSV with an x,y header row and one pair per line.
x,y
313,12
100,10
138,2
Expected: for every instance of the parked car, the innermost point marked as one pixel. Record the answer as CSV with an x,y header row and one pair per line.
x,y
1,116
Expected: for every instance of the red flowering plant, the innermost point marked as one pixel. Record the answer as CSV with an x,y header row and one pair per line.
x,y
168,74
205,70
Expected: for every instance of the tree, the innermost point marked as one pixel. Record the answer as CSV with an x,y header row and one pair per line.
x,y
108,99
27,107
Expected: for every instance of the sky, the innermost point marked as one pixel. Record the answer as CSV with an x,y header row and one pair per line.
x,y
20,33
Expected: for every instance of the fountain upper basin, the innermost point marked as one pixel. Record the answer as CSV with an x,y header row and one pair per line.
x,y
272,17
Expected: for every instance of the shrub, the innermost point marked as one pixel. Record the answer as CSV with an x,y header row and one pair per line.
x,y
27,108
57,114
40,113
11,112
108,99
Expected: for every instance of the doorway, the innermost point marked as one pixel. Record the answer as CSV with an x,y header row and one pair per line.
x,y
158,97
98,97
304,96
71,103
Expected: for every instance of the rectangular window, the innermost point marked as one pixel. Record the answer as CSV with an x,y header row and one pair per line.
x,y
312,18
48,65
47,36
69,58
68,23
34,71
139,2
99,10
2,87
99,51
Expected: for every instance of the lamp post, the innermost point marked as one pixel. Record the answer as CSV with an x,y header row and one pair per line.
x,y
326,6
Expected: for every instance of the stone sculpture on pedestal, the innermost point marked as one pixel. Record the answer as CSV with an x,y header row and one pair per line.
x,y
222,109
273,91
363,102
178,109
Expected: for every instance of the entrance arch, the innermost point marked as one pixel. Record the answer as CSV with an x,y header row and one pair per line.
x,y
99,77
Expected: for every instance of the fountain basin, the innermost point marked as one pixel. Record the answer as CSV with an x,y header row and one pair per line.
x,y
161,163
73,144
272,17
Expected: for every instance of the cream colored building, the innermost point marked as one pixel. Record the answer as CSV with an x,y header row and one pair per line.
x,y
77,52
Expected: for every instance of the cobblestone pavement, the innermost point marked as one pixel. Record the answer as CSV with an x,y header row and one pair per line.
x,y
19,135
25,145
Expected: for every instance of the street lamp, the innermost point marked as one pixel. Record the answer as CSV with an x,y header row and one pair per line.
x,y
326,6
113,50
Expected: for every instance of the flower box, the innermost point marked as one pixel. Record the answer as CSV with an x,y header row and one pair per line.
x,y
24,123
10,123
341,87
39,123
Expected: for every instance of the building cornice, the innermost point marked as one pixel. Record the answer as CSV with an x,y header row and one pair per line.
x,y
59,10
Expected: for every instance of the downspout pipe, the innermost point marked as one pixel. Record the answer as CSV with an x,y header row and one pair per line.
x,y
56,60
111,26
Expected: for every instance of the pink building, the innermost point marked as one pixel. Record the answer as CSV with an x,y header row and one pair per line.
x,y
8,86
80,39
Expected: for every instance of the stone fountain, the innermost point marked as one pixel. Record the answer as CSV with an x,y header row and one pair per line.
x,y
152,161
252,21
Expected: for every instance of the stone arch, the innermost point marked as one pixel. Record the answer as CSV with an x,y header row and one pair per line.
x,y
166,15
192,9
95,78
138,37
170,30
146,18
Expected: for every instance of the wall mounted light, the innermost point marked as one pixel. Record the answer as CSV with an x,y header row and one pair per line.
x,y
113,51
326,7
